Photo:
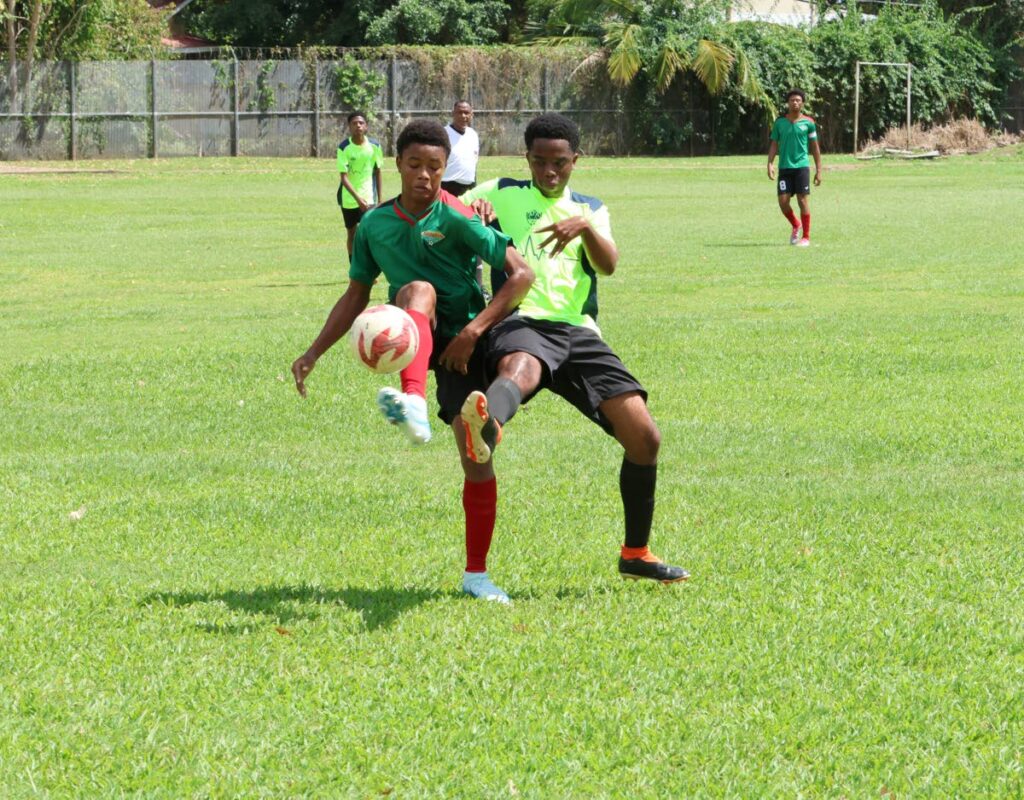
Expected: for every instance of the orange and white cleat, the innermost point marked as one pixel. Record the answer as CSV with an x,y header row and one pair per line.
x,y
482,431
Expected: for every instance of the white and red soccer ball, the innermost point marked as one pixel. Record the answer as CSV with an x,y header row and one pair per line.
x,y
384,338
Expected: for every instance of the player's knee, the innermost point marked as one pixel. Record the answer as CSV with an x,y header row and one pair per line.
x,y
418,295
649,442
522,369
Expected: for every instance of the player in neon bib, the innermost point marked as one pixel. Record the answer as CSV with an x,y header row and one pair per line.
x,y
553,342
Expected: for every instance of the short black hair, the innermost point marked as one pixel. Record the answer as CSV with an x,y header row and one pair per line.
x,y
461,103
423,131
798,92
355,114
553,126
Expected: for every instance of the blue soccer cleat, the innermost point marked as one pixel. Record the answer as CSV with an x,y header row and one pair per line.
x,y
478,585
407,411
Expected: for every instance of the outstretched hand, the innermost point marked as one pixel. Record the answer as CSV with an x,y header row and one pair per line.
x,y
301,368
562,232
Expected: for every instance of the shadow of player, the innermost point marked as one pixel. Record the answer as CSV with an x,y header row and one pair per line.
x,y
281,605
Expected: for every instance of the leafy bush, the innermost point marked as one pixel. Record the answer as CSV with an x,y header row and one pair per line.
x,y
951,75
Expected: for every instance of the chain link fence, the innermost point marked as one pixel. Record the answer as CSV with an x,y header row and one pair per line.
x,y
285,107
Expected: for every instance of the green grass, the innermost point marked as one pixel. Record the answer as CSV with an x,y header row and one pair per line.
x,y
261,597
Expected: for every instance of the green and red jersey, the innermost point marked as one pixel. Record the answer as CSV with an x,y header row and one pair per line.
x,y
793,138
440,246
565,288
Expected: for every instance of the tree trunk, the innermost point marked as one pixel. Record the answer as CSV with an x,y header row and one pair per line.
x,y
11,33
30,53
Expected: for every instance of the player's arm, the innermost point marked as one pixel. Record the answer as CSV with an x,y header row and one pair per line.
x,y
349,306
378,182
520,278
816,153
363,205
773,150
601,250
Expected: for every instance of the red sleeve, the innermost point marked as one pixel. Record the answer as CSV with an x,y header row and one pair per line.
x,y
456,204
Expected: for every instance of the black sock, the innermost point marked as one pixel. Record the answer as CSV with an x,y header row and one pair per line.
x,y
637,484
503,399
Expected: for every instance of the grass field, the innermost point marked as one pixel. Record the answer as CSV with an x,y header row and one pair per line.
x,y
259,598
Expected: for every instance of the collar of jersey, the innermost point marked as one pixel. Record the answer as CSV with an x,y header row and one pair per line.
x,y
565,193
405,216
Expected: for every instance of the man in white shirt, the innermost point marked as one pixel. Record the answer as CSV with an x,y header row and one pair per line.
x,y
460,175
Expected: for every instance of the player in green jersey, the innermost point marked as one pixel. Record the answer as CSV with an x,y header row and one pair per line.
x,y
792,136
426,242
360,184
553,342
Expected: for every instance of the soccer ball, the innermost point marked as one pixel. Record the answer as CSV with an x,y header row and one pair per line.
x,y
384,338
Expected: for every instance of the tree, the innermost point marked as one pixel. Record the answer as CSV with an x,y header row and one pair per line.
x,y
440,22
276,23
71,29
654,40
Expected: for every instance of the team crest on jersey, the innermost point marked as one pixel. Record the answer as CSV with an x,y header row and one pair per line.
x,y
533,217
432,237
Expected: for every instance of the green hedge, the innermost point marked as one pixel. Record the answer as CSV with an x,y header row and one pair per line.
x,y
951,76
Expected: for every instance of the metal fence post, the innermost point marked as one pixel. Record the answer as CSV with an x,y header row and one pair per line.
x,y
234,97
73,98
910,68
393,100
544,87
316,108
152,110
856,105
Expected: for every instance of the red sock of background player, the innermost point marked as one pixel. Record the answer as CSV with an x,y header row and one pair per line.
x,y
480,502
414,376
792,218
806,219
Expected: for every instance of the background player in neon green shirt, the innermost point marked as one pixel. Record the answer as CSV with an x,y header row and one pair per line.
x,y
360,186
552,341
792,136
426,243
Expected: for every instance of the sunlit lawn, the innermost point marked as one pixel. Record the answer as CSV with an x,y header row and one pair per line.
x,y
259,595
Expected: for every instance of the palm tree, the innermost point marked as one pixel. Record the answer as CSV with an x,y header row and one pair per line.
x,y
657,38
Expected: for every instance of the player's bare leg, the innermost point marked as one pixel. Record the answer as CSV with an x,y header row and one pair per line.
x,y
350,238
640,438
484,414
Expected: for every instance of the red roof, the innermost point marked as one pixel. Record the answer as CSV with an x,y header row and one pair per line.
x,y
185,40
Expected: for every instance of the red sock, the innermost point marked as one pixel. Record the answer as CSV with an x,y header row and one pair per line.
x,y
480,502
806,219
792,218
414,376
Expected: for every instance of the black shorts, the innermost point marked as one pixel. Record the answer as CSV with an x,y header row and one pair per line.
x,y
795,181
455,188
453,387
577,364
352,216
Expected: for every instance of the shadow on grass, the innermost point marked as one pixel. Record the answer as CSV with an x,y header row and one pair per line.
x,y
282,605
